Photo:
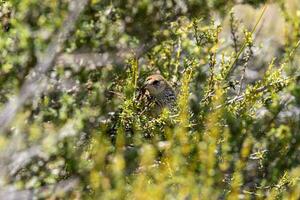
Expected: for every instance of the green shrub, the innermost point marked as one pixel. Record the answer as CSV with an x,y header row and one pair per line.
x,y
85,135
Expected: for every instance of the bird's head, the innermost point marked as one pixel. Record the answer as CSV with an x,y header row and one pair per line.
x,y
155,85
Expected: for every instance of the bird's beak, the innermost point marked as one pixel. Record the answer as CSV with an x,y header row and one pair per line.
x,y
146,85
144,88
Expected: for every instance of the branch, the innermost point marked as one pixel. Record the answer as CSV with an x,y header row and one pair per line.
x,y
92,60
35,82
241,97
12,162
62,187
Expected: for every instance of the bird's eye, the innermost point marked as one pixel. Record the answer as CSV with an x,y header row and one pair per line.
x,y
156,82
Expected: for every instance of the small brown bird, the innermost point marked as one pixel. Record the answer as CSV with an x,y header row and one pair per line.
x,y
159,94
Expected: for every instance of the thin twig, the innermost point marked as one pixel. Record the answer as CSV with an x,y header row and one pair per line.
x,y
233,31
241,97
245,43
246,61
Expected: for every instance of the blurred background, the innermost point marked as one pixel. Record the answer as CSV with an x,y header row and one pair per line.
x,y
70,122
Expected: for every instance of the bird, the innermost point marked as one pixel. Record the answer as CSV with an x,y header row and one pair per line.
x,y
158,94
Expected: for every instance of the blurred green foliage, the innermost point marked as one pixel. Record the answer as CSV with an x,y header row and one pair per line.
x,y
231,138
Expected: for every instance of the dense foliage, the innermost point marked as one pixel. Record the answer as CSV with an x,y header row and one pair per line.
x,y
72,125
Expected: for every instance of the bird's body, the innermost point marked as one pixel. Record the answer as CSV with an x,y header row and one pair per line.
x,y
155,95
159,94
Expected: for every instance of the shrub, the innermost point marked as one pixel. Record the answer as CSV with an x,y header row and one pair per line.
x,y
73,125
